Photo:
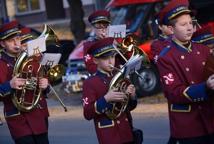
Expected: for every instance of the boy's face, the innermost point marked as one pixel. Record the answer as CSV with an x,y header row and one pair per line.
x,y
105,63
100,29
183,28
12,45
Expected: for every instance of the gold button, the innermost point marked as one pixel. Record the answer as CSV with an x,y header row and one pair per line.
x,y
203,63
187,69
198,52
182,57
118,122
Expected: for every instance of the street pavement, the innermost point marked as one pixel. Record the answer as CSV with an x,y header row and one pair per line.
x,y
71,128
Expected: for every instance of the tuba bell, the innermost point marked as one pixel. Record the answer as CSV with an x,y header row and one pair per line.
x,y
30,69
129,51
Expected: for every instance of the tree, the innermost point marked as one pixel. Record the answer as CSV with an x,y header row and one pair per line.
x,y
77,23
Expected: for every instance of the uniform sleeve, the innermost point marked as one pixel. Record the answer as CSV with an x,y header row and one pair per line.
x,y
93,107
5,89
132,104
175,90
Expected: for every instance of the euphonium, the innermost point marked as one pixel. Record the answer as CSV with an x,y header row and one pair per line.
x,y
31,69
120,81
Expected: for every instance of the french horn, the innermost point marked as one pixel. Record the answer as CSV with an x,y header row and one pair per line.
x,y
30,69
128,49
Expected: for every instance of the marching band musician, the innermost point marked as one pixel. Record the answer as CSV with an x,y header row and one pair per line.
x,y
25,37
97,98
25,127
204,36
99,21
181,71
163,38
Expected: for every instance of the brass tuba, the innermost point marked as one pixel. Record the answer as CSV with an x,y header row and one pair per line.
x,y
128,49
31,69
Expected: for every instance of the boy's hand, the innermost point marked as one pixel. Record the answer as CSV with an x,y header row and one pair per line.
x,y
17,83
43,83
113,96
131,91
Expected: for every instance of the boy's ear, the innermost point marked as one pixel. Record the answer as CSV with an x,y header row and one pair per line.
x,y
95,60
171,28
2,44
160,27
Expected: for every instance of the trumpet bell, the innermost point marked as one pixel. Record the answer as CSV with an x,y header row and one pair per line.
x,y
50,36
56,72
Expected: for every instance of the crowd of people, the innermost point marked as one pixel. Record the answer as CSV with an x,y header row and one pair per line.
x,y
180,54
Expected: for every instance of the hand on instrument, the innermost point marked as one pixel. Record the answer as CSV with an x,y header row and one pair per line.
x,y
210,82
131,91
43,83
113,96
17,83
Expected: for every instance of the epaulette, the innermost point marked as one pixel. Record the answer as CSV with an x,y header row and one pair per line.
x,y
164,51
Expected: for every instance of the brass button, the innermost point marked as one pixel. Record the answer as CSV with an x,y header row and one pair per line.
x,y
182,57
118,122
203,63
187,69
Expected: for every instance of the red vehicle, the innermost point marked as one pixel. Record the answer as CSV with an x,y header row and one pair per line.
x,y
139,16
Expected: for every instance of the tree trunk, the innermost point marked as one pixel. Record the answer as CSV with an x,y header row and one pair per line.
x,y
77,23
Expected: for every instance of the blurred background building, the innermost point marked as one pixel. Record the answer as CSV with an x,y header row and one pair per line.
x,y
36,11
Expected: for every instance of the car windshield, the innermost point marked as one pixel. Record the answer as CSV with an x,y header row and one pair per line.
x,y
128,14
139,18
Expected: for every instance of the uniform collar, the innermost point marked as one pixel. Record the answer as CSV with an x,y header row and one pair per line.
x,y
187,47
163,37
103,73
10,59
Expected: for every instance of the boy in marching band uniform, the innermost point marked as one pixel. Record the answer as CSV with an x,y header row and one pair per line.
x,y
181,67
25,127
99,20
97,99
